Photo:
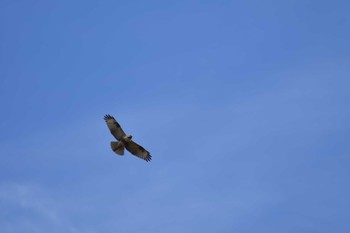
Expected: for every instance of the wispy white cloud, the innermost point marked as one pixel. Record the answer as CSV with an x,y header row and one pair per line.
x,y
35,210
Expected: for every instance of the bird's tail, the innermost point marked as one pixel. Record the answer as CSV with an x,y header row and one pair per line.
x,y
118,147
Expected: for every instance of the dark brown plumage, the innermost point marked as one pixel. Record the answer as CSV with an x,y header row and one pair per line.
x,y
124,141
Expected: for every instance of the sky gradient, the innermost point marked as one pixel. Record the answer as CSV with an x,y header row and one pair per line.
x,y
244,106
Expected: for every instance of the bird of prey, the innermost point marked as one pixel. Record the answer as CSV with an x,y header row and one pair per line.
x,y
124,141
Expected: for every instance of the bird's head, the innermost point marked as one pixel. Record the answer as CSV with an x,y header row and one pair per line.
x,y
129,137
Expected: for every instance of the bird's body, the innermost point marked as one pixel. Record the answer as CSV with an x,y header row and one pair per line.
x,y
124,141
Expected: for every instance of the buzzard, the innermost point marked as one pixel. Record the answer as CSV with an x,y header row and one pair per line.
x,y
124,141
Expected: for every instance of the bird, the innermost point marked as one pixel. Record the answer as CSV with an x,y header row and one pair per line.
x,y
124,141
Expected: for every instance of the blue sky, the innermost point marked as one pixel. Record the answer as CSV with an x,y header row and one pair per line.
x,y
244,106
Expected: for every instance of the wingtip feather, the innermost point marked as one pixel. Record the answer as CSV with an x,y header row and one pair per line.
x,y
107,117
148,158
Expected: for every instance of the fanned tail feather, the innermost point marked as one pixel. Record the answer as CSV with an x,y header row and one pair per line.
x,y
118,147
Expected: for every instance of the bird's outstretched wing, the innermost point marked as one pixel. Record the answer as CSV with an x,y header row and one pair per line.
x,y
138,150
114,127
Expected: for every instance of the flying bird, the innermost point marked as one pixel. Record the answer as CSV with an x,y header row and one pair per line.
x,y
124,141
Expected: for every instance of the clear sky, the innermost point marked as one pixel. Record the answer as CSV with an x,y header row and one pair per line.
x,y
244,106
